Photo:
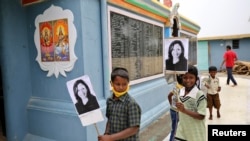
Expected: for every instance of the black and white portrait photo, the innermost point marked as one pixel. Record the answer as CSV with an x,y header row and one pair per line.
x,y
84,99
176,54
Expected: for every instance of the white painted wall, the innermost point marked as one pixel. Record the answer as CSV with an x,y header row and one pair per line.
x,y
217,17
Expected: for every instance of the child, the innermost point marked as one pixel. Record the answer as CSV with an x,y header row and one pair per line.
x,y
192,109
123,112
173,98
212,83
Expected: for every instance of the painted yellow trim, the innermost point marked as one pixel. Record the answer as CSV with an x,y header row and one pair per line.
x,y
141,11
228,37
185,28
123,4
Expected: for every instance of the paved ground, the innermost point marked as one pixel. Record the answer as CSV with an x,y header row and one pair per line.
x,y
158,130
235,100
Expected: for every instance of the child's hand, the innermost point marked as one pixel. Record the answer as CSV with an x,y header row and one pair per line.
x,y
219,88
180,106
207,86
104,138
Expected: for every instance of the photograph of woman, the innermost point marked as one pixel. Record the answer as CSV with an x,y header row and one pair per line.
x,y
85,101
176,60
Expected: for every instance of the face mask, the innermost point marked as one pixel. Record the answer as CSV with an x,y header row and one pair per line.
x,y
119,94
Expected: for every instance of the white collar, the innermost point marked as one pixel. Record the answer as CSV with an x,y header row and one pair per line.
x,y
192,93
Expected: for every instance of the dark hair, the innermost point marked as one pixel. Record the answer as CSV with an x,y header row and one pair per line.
x,y
193,70
75,89
171,47
228,47
179,78
212,68
119,71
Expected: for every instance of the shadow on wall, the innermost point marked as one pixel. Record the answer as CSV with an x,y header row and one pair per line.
x,y
2,115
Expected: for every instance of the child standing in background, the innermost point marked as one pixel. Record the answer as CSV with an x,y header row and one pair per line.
x,y
123,112
212,83
172,99
192,109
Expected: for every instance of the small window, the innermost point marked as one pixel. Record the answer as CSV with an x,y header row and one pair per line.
x,y
235,44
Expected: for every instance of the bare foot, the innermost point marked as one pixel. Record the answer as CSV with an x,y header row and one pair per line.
x,y
218,114
210,117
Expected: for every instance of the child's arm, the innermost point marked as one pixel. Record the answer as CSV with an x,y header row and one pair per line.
x,y
105,136
193,114
170,97
125,133
219,88
205,82
107,129
120,135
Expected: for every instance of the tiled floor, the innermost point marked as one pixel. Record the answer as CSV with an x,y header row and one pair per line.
x,y
235,103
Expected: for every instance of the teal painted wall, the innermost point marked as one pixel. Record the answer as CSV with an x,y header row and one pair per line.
x,y
39,107
218,47
216,52
202,55
16,69
244,47
211,52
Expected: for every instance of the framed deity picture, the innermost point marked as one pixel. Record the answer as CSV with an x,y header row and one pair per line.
x,y
55,38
